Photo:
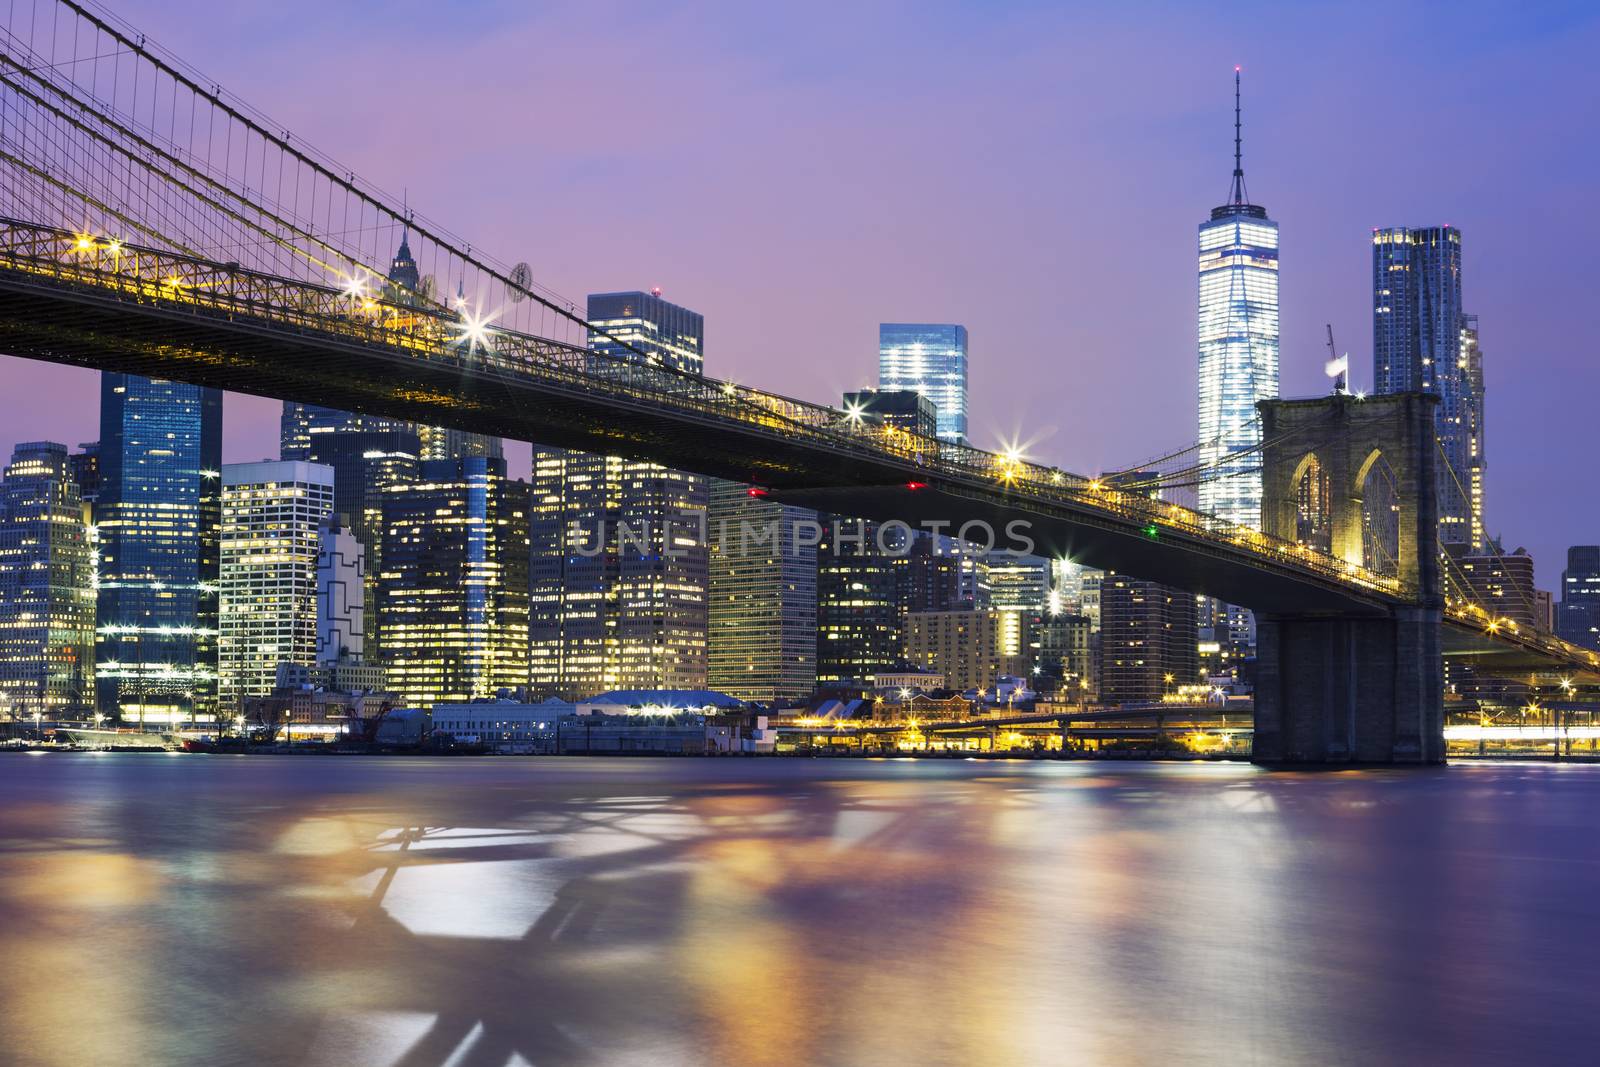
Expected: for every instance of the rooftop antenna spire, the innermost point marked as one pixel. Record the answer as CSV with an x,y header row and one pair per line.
x,y
1239,196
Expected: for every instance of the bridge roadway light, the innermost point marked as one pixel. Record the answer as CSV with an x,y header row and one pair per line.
x,y
474,331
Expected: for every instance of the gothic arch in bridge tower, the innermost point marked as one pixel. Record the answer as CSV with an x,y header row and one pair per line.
x,y
1377,495
1313,511
1371,452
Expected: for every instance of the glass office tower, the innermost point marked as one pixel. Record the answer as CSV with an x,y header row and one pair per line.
x,y
931,359
46,587
158,512
1423,342
453,592
1238,338
1578,618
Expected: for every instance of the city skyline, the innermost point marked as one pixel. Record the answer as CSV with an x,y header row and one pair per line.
x,y
1153,159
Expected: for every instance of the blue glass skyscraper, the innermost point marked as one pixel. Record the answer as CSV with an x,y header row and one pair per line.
x,y
1423,342
158,515
931,359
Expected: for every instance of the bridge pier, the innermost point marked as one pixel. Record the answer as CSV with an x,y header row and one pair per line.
x,y
1349,690
1369,688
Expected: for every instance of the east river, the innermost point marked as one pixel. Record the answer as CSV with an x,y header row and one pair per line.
x,y
176,910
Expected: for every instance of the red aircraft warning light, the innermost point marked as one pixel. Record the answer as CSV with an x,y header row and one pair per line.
x,y
756,490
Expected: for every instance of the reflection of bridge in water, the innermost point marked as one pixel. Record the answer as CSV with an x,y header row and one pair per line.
x,y
156,226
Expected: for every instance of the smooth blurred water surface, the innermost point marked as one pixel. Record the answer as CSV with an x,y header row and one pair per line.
x,y
480,912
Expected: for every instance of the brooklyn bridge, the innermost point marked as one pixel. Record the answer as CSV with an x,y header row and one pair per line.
x,y
152,223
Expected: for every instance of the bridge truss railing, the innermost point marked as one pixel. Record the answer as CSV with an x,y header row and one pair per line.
x,y
1466,610
370,312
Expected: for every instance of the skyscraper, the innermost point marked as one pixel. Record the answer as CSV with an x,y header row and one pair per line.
x,y
1578,618
761,637
862,590
1148,640
157,514
931,359
1472,357
453,592
630,323
620,568
859,609
1423,342
47,598
1238,335
272,519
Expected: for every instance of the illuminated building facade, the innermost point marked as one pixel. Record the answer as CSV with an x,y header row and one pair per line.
x,y
1423,342
453,592
859,607
441,442
158,518
1578,616
761,636
1063,655
620,563
1472,364
273,514
302,427
1018,583
1238,338
47,599
861,590
930,359
635,324
1148,640
970,648
1503,582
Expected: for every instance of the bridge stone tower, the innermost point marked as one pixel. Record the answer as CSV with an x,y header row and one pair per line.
x,y
1368,686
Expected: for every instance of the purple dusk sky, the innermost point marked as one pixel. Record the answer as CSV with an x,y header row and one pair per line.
x,y
799,173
